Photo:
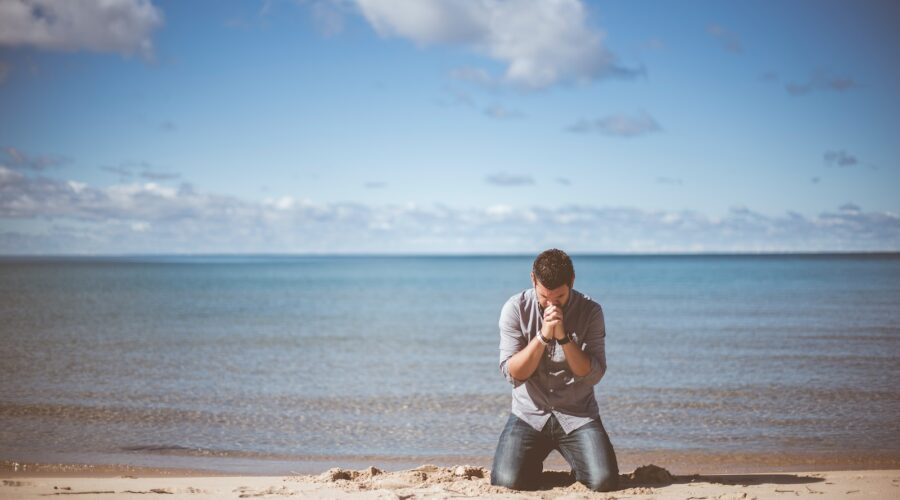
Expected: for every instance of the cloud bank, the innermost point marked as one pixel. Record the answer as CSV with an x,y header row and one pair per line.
x,y
122,26
69,217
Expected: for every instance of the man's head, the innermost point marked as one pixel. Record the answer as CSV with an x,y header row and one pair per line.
x,y
553,277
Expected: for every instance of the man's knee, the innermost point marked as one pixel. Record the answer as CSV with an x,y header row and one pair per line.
x,y
508,479
501,478
605,481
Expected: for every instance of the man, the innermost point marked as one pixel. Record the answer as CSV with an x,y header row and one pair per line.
x,y
552,350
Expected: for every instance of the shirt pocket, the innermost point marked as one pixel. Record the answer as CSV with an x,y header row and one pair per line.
x,y
556,368
576,338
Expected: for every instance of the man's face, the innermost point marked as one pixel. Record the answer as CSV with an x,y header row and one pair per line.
x,y
558,296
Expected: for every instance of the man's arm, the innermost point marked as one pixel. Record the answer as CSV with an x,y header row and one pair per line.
x,y
518,358
579,362
594,349
526,361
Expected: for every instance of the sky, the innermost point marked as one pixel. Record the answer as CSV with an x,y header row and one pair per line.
x,y
448,126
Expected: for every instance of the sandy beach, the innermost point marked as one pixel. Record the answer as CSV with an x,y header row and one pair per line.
x,y
430,481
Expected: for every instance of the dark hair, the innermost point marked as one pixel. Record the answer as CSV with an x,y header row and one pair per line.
x,y
553,269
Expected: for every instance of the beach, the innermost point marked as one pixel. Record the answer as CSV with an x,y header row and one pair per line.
x,y
431,481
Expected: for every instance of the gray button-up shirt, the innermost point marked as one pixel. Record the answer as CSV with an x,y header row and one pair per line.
x,y
553,388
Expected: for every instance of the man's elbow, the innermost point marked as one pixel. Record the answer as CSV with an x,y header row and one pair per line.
x,y
596,372
507,374
515,379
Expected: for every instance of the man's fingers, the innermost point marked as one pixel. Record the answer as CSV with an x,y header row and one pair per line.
x,y
551,309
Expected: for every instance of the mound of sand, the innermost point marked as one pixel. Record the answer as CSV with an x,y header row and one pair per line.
x,y
472,480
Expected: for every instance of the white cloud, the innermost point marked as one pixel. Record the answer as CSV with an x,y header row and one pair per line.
x,y
17,158
839,158
77,186
150,218
498,210
282,203
821,81
9,176
619,125
540,42
122,26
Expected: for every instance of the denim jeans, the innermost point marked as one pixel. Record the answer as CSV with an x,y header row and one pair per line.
x,y
520,455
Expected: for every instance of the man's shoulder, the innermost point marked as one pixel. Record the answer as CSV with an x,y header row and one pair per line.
x,y
584,301
520,299
520,302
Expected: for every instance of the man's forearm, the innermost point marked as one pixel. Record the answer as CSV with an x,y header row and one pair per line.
x,y
523,364
579,362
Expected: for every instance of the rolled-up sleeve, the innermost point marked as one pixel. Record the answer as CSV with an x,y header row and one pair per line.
x,y
512,340
595,347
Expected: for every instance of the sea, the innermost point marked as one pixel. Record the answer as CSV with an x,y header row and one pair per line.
x,y
263,364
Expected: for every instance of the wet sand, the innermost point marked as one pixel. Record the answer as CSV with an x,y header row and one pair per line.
x,y
185,463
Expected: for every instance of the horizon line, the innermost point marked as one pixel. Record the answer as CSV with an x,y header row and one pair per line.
x,y
772,253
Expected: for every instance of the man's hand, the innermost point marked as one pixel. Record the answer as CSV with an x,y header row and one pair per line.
x,y
553,323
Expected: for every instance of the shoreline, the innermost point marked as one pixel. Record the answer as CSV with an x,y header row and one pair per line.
x,y
680,463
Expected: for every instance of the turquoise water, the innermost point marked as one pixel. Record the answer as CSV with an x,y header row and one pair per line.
x,y
260,357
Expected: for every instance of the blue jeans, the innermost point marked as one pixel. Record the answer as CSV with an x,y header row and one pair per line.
x,y
520,455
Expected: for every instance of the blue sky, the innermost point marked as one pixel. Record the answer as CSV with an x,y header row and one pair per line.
x,y
439,126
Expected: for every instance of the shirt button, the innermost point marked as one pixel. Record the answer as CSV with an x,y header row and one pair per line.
x,y
551,390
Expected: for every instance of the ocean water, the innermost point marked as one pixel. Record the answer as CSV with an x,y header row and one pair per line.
x,y
260,360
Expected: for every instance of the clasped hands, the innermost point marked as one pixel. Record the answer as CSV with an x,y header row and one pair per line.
x,y
553,323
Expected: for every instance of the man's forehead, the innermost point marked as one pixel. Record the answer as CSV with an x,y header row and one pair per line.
x,y
560,290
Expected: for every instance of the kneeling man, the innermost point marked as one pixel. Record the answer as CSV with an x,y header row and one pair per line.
x,y
552,350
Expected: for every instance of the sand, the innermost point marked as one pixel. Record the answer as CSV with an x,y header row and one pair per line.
x,y
430,481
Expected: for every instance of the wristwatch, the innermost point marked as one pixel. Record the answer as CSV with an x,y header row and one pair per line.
x,y
564,340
